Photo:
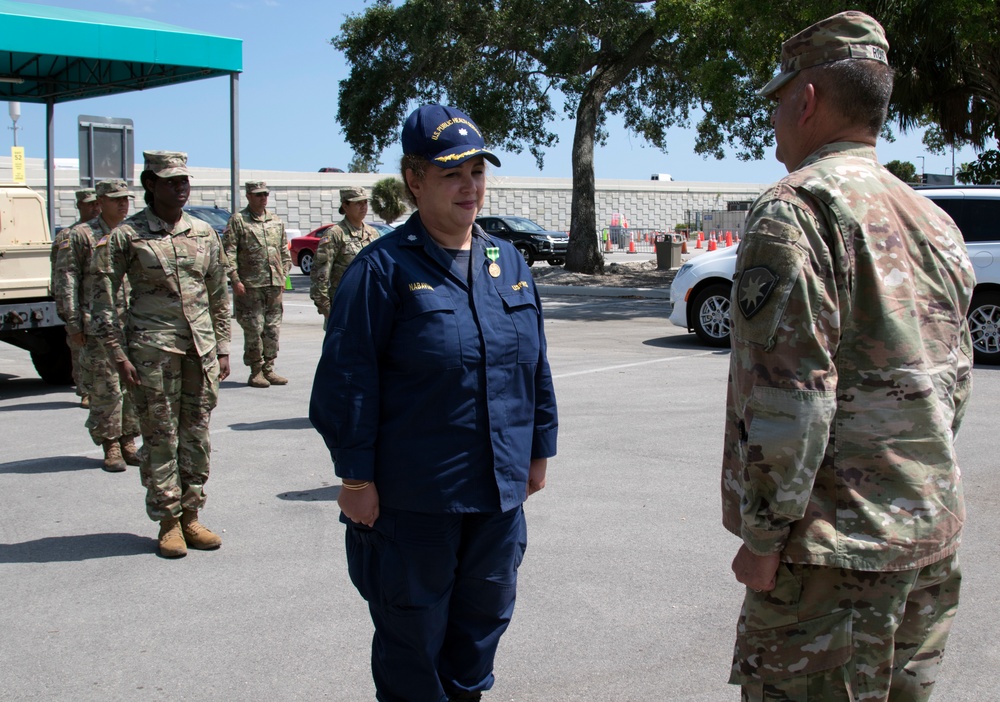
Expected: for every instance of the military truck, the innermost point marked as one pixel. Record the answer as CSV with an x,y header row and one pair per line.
x,y
28,316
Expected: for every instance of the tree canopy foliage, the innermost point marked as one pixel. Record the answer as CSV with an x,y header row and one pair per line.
x,y
904,170
516,65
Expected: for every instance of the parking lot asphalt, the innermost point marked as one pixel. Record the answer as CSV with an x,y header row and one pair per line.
x,y
625,592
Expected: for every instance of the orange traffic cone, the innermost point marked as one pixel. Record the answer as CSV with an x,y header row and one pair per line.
x,y
697,244
712,246
684,246
607,244
631,243
729,238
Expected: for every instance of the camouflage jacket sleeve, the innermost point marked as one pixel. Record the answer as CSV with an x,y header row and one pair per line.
x,y
327,252
67,281
782,395
230,241
218,296
286,252
110,264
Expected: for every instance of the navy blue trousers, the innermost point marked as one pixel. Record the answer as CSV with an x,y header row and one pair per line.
x,y
441,590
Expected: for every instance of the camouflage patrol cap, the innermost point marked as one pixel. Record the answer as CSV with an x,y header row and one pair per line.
x,y
256,186
116,187
85,195
351,195
847,35
166,164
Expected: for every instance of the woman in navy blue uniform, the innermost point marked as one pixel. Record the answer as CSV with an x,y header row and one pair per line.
x,y
435,398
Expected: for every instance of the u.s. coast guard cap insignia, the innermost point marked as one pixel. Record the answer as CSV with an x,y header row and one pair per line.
x,y
755,286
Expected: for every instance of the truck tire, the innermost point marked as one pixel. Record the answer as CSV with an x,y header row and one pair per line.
x,y
53,359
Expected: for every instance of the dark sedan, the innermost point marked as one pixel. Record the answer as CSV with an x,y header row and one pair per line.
x,y
531,239
217,217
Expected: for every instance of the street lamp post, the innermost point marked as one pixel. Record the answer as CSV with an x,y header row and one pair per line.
x,y
923,172
14,108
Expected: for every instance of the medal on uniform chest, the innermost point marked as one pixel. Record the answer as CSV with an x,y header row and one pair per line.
x,y
493,253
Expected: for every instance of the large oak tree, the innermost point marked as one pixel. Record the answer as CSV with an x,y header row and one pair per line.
x,y
514,64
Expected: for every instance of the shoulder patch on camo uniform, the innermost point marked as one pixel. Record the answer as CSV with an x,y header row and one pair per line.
x,y
754,287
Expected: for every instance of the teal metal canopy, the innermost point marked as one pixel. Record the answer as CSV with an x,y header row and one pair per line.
x,y
50,54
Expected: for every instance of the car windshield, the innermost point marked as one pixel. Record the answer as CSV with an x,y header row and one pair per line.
x,y
520,224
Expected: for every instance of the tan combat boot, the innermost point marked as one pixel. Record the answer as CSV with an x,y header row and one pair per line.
x,y
257,379
171,539
272,377
85,401
113,461
129,451
197,534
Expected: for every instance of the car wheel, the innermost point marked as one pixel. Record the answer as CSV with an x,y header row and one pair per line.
x,y
306,262
984,323
556,261
527,253
711,315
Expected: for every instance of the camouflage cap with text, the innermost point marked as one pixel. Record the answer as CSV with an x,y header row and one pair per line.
x,y
846,35
115,187
166,164
256,186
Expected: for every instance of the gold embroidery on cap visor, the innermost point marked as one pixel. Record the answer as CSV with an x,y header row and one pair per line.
x,y
455,157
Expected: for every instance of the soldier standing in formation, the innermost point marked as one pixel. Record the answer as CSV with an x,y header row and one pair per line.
x,y
259,261
113,423
849,376
88,207
178,343
338,247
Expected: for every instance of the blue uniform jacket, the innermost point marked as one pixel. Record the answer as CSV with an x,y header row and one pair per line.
x,y
439,393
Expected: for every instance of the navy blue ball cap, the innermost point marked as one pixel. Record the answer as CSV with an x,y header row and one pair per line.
x,y
445,136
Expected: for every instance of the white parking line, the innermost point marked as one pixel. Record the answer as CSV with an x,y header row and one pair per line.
x,y
633,365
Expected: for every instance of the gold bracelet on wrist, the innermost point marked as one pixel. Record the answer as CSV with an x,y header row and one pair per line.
x,y
358,486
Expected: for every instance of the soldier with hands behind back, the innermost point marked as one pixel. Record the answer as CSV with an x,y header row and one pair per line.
x,y
849,376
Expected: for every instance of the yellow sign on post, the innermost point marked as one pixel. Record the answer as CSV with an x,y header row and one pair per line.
x,y
17,163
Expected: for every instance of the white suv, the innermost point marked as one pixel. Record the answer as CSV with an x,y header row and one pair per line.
x,y
700,291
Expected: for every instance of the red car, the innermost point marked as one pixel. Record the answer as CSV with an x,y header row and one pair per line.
x,y
303,247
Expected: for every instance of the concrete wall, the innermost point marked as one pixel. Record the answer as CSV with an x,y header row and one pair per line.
x,y
308,200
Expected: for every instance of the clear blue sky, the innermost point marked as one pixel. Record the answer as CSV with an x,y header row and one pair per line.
x,y
288,101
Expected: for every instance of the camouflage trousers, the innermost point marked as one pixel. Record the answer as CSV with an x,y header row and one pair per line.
x,y
174,402
259,313
81,371
835,635
112,413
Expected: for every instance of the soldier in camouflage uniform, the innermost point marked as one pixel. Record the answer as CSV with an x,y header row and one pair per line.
x,y
88,208
849,376
173,348
112,422
259,261
338,247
